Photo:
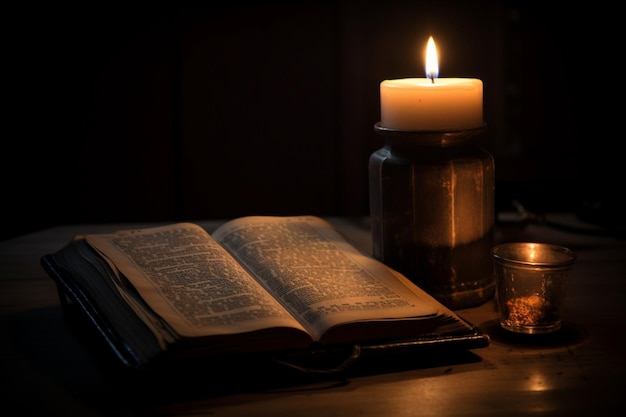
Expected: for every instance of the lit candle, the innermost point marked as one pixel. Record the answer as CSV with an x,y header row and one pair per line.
x,y
431,103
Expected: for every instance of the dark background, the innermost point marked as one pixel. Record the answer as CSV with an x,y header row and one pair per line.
x,y
122,112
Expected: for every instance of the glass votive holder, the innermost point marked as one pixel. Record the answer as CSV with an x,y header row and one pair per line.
x,y
531,284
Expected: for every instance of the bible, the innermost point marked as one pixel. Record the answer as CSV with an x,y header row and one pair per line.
x,y
256,285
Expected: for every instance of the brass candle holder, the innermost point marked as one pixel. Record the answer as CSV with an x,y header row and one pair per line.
x,y
432,212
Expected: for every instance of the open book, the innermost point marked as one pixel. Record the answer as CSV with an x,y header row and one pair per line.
x,y
256,284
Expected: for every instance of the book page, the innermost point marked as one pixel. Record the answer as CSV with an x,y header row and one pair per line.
x,y
322,279
191,281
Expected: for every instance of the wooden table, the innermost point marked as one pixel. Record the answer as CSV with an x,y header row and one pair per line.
x,y
48,369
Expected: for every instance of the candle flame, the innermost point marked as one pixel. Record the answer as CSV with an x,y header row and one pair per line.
x,y
432,62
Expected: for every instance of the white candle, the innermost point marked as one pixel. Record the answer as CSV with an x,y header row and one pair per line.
x,y
431,104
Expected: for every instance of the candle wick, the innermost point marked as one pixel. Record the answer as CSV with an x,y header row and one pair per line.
x,y
432,77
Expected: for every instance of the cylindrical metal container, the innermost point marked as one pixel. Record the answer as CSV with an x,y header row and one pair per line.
x,y
432,212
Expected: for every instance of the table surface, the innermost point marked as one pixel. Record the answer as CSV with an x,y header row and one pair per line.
x,y
49,369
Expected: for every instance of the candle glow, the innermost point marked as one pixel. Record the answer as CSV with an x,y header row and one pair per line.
x,y
421,104
432,60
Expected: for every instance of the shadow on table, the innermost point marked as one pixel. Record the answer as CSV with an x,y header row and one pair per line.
x,y
568,335
71,357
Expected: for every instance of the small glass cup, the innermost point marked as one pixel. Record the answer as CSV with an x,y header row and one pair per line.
x,y
531,283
